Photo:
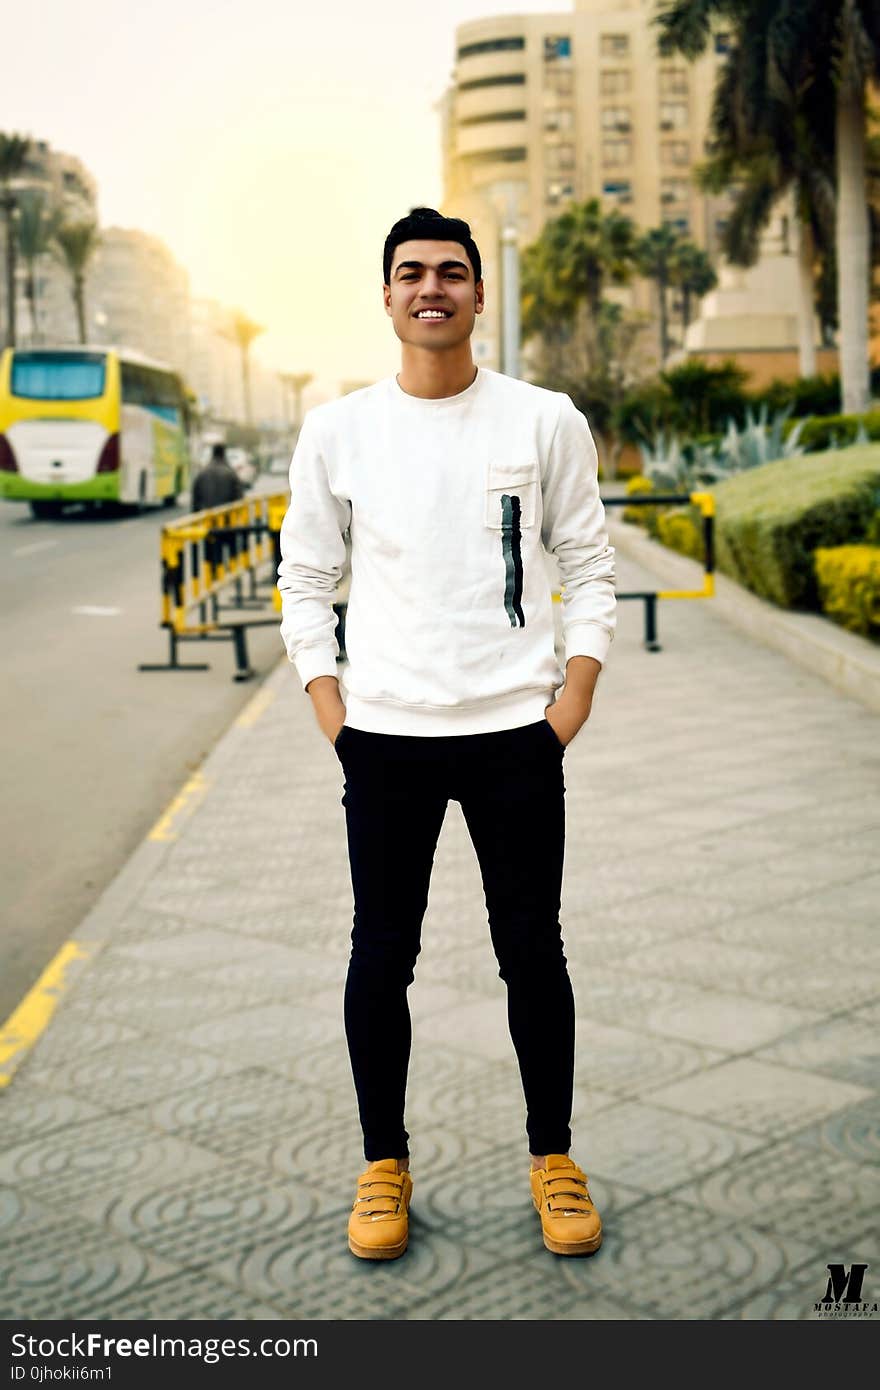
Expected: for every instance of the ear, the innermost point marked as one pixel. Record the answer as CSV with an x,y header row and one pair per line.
x,y
480,296
386,298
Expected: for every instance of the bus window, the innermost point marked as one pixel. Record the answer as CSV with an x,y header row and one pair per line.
x,y
158,392
68,376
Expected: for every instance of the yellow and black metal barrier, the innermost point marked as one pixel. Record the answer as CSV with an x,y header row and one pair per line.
x,y
215,555
706,503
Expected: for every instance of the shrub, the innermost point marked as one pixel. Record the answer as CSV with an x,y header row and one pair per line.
x,y
681,530
848,579
641,516
808,395
693,399
837,431
771,519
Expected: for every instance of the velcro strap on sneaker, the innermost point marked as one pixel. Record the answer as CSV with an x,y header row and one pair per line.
x,y
380,1194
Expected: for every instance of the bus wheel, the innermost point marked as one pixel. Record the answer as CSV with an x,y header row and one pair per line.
x,y
44,511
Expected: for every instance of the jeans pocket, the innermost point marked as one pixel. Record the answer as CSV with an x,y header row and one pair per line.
x,y
557,741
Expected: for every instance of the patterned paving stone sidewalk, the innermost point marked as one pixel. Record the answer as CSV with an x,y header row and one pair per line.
x,y
182,1141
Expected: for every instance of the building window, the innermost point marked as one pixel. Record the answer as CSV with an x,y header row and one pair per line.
x,y
674,190
559,81
556,46
617,151
559,190
513,79
678,224
493,116
470,50
675,152
722,43
559,118
614,82
618,189
673,82
616,118
614,45
558,157
673,115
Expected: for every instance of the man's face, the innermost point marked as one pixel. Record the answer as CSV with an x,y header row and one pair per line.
x,y
432,299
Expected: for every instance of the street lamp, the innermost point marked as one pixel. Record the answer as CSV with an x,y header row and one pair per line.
x,y
510,312
502,200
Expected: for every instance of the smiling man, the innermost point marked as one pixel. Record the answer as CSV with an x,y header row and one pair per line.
x,y
453,481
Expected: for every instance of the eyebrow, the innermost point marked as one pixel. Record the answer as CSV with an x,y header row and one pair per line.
x,y
420,265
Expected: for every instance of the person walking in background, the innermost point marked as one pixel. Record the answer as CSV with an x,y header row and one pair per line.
x,y
217,483
453,480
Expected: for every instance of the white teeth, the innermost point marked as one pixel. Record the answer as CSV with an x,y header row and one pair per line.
x,y
431,314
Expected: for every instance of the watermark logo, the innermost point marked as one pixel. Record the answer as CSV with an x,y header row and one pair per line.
x,y
843,1294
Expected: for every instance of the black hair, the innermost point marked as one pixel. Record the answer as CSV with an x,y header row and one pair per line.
x,y
218,451
426,224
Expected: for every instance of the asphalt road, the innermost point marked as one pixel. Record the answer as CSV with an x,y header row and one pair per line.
x,y
91,749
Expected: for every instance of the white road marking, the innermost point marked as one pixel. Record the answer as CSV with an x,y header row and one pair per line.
x,y
93,611
34,547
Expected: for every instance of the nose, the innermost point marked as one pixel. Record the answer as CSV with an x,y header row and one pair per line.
x,y
431,285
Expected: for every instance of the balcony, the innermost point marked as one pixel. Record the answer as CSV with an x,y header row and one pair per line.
x,y
494,135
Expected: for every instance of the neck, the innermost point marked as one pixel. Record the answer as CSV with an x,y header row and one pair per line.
x,y
434,375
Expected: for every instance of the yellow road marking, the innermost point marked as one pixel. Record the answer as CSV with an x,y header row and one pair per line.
x,y
255,708
186,801
25,1025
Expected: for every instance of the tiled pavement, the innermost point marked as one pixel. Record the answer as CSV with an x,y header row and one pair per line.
x,y
182,1141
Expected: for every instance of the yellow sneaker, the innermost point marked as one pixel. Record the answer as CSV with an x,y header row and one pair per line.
x,y
378,1227
569,1221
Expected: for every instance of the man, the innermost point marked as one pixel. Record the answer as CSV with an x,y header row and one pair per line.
x,y
453,481
217,483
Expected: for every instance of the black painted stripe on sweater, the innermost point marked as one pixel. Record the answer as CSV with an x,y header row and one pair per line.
x,y
511,545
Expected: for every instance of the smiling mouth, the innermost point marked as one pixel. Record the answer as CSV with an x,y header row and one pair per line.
x,y
433,315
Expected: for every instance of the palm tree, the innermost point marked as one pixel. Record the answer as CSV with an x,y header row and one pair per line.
x,y
243,331
296,382
77,242
792,47
763,148
37,226
656,253
573,259
693,274
13,159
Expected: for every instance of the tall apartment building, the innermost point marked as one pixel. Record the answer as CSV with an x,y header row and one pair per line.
x,y
137,295
67,185
547,109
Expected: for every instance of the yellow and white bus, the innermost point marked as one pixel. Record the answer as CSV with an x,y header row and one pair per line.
x,y
92,425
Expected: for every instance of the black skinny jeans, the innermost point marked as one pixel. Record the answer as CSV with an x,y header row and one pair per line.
x,y
511,790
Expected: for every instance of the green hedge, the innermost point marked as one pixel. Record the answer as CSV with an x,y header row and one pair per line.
x,y
848,579
771,519
834,431
680,528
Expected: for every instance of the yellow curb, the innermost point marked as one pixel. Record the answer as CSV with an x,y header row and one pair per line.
x,y
255,709
183,805
24,1026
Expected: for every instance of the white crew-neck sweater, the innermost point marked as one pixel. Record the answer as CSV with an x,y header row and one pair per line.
x,y
451,505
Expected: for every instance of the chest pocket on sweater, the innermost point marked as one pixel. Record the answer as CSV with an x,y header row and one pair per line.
x,y
511,480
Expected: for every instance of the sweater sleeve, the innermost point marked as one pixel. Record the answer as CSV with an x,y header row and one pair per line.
x,y
573,529
312,560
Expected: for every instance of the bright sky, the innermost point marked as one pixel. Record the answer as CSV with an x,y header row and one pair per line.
x,y
270,143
